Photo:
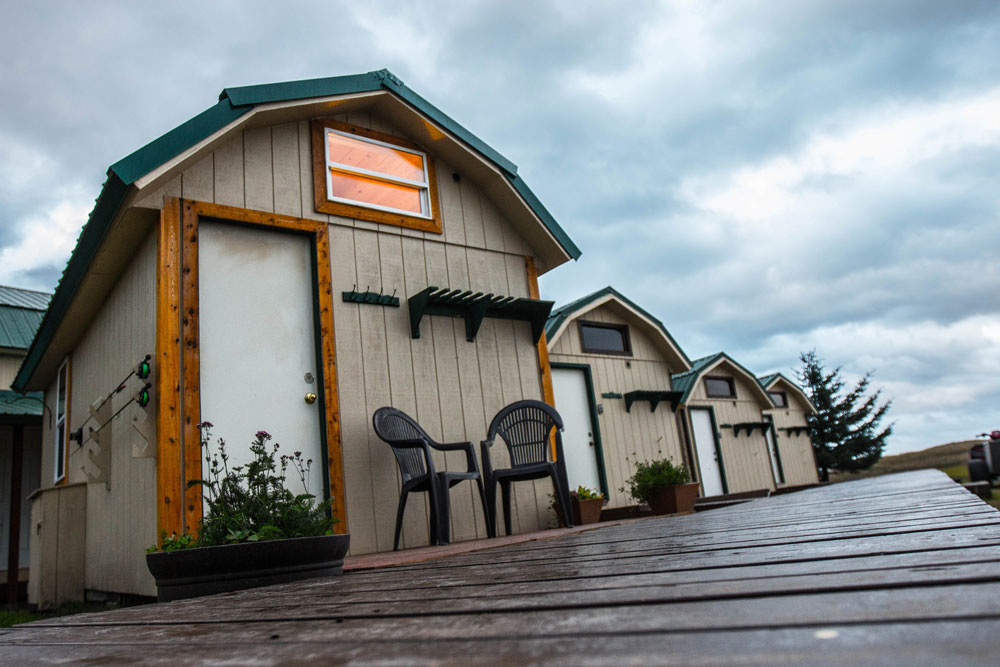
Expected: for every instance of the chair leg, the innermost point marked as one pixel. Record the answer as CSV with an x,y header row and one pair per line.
x,y
399,519
505,492
444,513
490,508
562,492
482,497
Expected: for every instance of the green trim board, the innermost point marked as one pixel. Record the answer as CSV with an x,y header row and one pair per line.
x,y
234,103
777,450
565,312
595,423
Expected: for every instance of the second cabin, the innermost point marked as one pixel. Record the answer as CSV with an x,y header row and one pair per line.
x,y
611,373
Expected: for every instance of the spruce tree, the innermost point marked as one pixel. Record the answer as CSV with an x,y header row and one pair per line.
x,y
845,431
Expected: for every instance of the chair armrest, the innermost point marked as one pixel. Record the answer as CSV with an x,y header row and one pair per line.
x,y
470,452
451,446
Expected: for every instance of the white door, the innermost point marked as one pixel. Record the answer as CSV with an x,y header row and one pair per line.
x,y
258,344
573,403
708,460
772,453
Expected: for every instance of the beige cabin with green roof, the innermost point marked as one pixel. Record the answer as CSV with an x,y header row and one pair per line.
x,y
264,256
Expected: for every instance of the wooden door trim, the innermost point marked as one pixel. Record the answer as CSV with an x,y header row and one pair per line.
x,y
179,464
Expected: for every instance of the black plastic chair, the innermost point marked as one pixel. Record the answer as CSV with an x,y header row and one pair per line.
x,y
412,448
526,428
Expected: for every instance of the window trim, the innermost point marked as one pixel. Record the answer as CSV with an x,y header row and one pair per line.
x,y
623,328
61,449
728,380
784,398
360,210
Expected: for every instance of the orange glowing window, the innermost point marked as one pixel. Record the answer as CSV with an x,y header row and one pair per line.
x,y
377,174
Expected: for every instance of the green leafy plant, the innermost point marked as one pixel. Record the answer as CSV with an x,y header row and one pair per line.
x,y
251,503
583,493
651,476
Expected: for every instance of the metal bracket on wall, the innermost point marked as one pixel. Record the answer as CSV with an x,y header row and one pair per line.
x,y
654,398
749,427
372,298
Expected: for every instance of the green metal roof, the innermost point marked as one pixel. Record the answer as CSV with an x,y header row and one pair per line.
x,y
24,298
18,326
234,103
562,313
14,405
687,381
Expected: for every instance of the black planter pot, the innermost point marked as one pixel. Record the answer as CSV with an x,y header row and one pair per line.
x,y
233,567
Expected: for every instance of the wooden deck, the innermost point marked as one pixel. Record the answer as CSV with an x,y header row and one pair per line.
x,y
903,569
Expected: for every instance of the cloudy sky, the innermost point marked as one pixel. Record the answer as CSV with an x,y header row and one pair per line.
x,y
765,177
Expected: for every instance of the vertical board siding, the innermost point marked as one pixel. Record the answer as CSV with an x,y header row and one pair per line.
x,y
627,437
797,460
745,458
451,386
120,520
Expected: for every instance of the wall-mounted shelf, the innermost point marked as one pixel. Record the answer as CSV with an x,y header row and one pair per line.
x,y
473,307
654,398
749,427
793,431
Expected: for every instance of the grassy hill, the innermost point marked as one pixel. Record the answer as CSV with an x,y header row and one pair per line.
x,y
952,458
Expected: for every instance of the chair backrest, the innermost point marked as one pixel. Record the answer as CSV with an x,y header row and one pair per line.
x,y
395,426
525,427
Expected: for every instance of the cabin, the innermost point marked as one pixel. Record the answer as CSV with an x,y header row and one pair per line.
x,y
724,409
790,415
290,260
612,364
21,416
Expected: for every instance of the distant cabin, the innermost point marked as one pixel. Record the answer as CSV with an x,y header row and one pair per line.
x,y
284,259
611,371
733,439
790,415
21,418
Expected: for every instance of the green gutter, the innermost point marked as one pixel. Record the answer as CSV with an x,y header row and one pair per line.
x,y
108,202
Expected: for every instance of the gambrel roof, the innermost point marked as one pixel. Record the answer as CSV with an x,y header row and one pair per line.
x,y
770,382
563,315
246,107
686,382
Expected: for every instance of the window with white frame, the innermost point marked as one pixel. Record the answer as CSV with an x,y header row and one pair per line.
x,y
62,408
368,175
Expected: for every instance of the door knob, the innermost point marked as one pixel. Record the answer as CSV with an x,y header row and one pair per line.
x,y
310,398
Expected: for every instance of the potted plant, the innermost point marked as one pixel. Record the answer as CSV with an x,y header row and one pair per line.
x,y
665,487
586,506
255,532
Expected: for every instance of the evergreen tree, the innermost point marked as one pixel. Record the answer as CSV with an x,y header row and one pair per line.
x,y
845,431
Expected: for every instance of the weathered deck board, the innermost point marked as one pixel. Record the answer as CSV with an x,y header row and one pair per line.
x,y
896,569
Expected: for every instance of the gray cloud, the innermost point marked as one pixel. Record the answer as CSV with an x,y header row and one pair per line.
x,y
613,119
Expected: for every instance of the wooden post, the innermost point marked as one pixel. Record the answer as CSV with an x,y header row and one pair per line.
x,y
14,543
544,369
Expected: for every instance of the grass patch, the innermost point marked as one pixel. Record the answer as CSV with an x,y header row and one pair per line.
x,y
13,617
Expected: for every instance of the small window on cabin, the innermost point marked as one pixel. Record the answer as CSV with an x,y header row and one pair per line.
x,y
598,338
779,398
716,387
373,176
62,394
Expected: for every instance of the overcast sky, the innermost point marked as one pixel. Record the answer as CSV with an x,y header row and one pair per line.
x,y
765,177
